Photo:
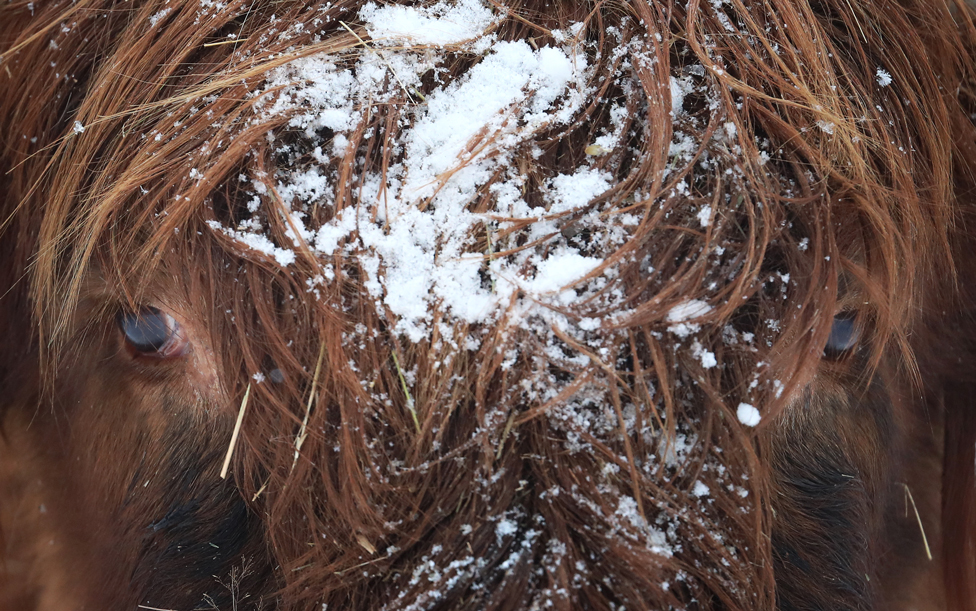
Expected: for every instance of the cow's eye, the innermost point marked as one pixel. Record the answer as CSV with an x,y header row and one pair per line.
x,y
843,335
152,332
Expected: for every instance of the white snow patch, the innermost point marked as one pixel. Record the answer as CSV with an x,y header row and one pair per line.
x,y
706,357
413,238
705,215
680,87
444,23
572,191
656,541
258,242
684,311
747,414
505,528
469,112
883,77
559,270
778,388
826,126
159,16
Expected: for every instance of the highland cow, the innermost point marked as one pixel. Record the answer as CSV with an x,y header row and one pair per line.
x,y
467,304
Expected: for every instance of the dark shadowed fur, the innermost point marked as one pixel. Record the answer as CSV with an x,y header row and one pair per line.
x,y
514,463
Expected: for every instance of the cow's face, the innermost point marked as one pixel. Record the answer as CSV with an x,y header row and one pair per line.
x,y
115,464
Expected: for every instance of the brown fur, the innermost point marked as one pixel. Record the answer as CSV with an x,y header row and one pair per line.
x,y
866,202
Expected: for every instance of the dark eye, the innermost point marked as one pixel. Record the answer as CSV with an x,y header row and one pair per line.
x,y
843,335
152,332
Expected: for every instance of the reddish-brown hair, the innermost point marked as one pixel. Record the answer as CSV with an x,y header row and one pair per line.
x,y
540,463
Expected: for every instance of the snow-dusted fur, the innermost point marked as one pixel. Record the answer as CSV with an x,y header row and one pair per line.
x,y
532,304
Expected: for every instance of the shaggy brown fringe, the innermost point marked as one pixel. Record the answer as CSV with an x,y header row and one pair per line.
x,y
856,204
